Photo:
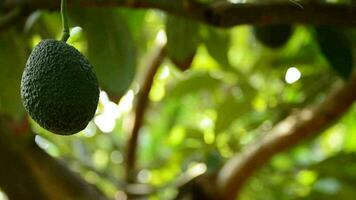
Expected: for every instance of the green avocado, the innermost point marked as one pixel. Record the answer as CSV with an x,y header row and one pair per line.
x,y
59,88
273,36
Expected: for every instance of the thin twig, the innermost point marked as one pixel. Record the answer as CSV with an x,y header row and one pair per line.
x,y
142,101
65,34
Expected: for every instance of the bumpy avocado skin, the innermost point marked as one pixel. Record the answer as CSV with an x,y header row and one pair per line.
x,y
59,88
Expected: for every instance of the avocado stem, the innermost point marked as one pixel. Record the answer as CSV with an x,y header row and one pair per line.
x,y
65,34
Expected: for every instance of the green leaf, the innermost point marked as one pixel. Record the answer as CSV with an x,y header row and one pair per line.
x,y
336,48
193,83
182,41
230,109
336,178
135,20
111,49
217,42
47,25
12,61
349,144
341,166
326,189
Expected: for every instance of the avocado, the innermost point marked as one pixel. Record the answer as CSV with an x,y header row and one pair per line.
x,y
59,88
273,36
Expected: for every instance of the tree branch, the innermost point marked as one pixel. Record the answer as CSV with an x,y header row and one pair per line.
x,y
295,128
27,172
222,13
142,101
15,181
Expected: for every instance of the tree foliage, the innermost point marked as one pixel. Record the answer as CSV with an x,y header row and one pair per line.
x,y
215,93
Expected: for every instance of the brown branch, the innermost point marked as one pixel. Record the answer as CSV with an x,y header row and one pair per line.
x,y
56,180
142,101
15,179
27,172
295,128
222,13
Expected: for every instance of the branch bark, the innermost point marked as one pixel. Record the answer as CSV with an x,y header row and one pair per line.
x,y
27,172
295,128
142,101
222,13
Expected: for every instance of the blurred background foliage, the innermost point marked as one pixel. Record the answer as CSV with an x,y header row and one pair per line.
x,y
218,91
